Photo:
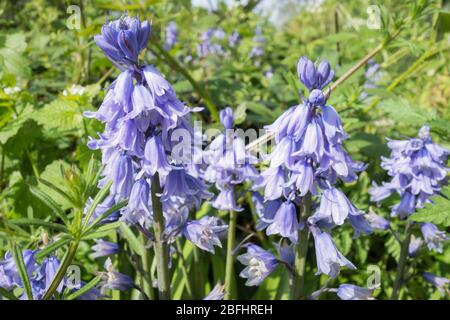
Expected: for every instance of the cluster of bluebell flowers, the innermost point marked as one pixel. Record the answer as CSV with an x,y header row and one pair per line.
x,y
309,159
418,171
141,112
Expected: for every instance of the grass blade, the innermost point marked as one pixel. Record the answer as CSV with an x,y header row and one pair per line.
x,y
91,284
39,223
18,259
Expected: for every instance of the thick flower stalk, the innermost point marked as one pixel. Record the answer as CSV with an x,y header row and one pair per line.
x,y
146,167
418,171
308,161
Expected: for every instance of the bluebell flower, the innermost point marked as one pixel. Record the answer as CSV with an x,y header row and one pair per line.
x,y
439,282
104,248
101,209
335,206
139,208
122,176
418,171
204,233
433,236
217,293
47,272
314,76
259,43
414,246
209,44
378,222
114,280
258,262
10,269
171,35
329,259
360,224
225,201
234,39
352,292
121,40
285,222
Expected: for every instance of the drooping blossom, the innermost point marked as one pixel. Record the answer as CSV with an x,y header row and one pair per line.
x,y
433,237
352,292
259,264
439,282
204,233
217,293
329,259
113,280
418,171
104,248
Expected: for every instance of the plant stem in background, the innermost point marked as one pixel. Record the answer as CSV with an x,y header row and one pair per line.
x,y
398,283
183,269
229,270
301,249
161,249
147,272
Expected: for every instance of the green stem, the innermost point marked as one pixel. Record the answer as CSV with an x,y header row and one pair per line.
x,y
146,266
229,260
301,249
162,54
67,260
184,270
161,249
398,283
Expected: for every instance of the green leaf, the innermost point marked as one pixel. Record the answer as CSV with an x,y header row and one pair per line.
x,y
401,111
16,42
437,212
6,294
53,247
101,195
91,284
132,240
13,126
49,202
60,115
18,259
38,222
58,190
15,63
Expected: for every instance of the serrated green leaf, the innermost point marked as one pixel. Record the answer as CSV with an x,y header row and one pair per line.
x,y
60,115
437,212
13,126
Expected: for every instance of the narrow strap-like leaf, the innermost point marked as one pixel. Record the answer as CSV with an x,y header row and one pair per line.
x,y
105,215
8,295
37,222
18,259
47,200
101,195
91,284
58,190
52,247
